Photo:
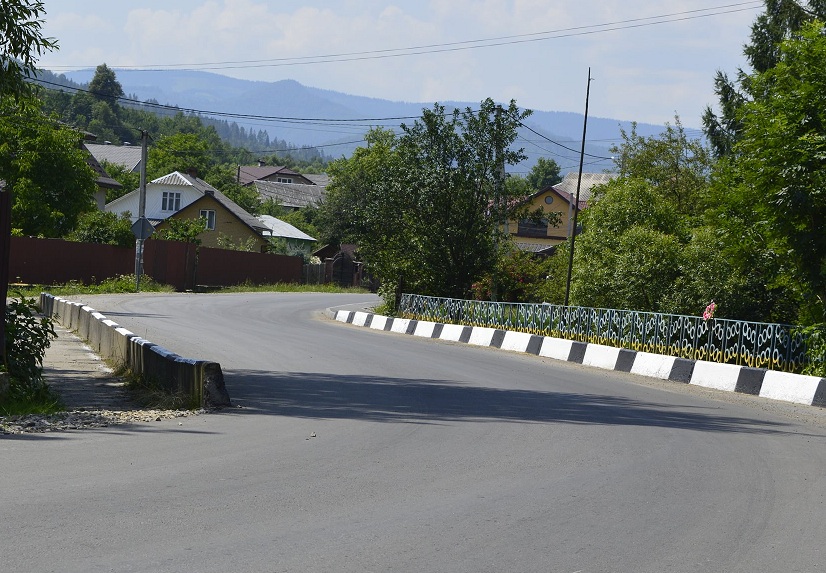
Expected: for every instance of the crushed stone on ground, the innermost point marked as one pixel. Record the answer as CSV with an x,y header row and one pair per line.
x,y
93,396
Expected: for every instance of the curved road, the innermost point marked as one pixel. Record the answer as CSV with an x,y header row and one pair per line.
x,y
356,450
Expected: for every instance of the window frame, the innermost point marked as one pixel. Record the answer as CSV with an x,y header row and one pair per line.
x,y
209,215
171,201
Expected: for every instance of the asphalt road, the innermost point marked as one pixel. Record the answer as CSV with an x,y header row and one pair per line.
x,y
356,450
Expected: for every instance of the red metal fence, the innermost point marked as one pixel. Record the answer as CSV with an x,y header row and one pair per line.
x,y
55,261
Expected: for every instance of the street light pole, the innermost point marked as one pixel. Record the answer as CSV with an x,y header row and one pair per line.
x,y
578,186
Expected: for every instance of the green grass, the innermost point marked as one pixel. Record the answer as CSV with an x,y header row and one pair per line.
x,y
126,284
119,284
43,401
292,287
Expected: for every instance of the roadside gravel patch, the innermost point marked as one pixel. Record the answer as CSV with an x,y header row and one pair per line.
x,y
84,419
93,395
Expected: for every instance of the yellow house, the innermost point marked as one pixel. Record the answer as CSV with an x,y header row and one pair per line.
x,y
224,218
559,198
185,196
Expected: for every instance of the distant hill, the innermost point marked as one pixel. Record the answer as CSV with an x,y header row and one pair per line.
x,y
210,92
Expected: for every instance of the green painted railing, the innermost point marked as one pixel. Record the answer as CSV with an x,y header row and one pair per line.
x,y
754,344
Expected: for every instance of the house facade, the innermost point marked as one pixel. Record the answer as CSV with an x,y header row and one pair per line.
x,y
183,196
559,198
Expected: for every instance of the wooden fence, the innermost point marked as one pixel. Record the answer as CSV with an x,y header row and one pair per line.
x,y
182,265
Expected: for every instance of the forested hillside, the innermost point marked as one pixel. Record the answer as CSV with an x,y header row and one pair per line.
x,y
100,107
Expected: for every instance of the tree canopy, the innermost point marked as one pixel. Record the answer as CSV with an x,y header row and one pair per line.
x,y
21,42
425,206
45,168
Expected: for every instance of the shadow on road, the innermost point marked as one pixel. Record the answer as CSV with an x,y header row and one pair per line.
x,y
386,399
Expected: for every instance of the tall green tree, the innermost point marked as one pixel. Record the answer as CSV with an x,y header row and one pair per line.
x,y
781,159
676,165
781,20
105,86
45,168
544,173
425,207
179,152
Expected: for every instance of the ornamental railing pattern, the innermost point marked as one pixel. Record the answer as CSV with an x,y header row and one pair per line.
x,y
754,344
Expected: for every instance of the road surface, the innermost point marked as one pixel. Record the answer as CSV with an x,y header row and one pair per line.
x,y
355,450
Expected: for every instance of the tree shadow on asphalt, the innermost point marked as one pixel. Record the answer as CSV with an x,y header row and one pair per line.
x,y
410,400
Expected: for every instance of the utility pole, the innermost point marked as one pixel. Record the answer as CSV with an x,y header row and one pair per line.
x,y
498,183
578,186
5,253
140,226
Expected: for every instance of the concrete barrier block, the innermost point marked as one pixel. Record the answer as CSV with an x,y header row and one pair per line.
x,y
795,388
452,332
424,329
379,322
516,341
481,336
715,375
400,325
360,318
557,348
84,322
343,316
653,365
601,356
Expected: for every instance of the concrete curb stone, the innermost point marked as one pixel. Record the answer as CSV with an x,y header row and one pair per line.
x,y
797,388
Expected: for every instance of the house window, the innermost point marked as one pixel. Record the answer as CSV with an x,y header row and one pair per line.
x,y
549,199
209,215
283,179
171,201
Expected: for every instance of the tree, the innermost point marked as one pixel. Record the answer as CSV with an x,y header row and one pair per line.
x,y
629,253
184,230
544,174
425,207
781,158
678,167
129,180
45,168
180,152
102,227
105,87
21,41
781,20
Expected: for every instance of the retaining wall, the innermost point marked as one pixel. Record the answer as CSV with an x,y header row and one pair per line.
x,y
809,390
201,380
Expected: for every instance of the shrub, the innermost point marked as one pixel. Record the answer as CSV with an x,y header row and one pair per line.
x,y
27,338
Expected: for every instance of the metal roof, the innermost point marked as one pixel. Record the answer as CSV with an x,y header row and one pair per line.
x,y
128,156
567,186
279,228
292,195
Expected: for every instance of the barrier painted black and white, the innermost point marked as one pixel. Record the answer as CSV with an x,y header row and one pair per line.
x,y
796,388
201,380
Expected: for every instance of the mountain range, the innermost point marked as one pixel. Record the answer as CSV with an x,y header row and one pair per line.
x,y
342,119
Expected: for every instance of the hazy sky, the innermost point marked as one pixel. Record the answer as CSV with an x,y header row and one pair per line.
x,y
649,59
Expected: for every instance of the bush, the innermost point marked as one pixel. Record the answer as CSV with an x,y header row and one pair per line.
x,y
27,338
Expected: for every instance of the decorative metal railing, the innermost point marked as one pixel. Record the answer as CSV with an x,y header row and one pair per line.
x,y
755,344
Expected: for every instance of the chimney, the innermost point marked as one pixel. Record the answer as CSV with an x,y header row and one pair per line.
x,y
192,172
261,163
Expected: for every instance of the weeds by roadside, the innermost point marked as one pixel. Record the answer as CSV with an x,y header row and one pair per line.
x,y
115,285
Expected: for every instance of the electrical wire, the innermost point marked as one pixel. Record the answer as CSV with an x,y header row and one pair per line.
x,y
451,46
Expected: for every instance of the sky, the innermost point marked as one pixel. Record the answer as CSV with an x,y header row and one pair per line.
x,y
649,60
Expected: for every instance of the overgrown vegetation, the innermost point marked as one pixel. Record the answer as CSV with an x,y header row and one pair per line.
x,y
27,338
114,285
292,287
